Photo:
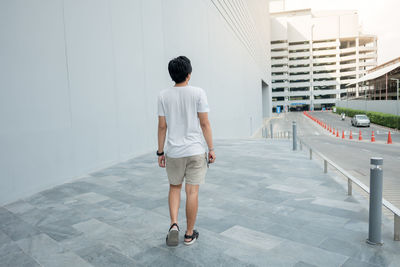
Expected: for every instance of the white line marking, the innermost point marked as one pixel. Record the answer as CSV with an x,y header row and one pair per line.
x,y
366,150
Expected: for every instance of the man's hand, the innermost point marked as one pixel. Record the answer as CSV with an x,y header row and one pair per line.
x,y
211,157
161,161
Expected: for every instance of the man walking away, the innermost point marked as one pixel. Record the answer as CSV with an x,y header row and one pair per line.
x,y
183,112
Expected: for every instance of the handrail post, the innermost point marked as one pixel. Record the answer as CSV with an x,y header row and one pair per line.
x,y
271,130
375,195
294,126
375,203
396,227
349,187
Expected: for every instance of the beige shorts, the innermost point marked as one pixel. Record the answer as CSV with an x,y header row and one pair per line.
x,y
193,169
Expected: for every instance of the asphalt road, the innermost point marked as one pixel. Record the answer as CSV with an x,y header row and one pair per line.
x,y
380,132
352,155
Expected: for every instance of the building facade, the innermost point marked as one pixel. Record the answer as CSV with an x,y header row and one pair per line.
x,y
79,80
381,82
315,55
379,90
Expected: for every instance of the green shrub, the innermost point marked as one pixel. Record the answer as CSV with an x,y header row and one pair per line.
x,y
384,119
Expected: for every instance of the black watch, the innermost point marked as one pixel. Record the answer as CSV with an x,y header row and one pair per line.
x,y
160,154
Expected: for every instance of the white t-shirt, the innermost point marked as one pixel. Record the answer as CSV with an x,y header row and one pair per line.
x,y
180,105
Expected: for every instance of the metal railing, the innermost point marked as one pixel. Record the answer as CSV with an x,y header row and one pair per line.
x,y
275,135
350,180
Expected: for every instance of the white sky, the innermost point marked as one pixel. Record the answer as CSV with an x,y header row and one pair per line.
x,y
378,17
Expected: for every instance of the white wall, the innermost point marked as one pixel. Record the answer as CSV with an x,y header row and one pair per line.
x,y
385,106
326,27
79,80
299,28
279,29
349,26
295,26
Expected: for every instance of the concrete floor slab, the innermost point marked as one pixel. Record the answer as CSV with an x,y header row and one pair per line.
x,y
262,205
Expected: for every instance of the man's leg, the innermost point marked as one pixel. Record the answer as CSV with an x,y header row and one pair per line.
x,y
192,193
174,198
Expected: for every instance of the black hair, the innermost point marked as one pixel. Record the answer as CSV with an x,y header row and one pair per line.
x,y
179,68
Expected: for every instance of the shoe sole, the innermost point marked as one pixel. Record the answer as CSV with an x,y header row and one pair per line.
x,y
173,238
190,243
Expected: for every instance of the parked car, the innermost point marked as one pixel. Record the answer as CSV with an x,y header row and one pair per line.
x,y
360,120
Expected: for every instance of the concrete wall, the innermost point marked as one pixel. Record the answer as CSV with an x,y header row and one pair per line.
x,y
385,106
296,26
299,28
326,28
279,29
79,79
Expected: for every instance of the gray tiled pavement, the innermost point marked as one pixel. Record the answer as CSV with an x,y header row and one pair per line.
x,y
262,205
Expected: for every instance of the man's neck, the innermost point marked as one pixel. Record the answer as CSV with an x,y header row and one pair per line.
x,y
182,84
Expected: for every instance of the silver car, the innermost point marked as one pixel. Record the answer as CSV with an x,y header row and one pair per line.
x,y
360,120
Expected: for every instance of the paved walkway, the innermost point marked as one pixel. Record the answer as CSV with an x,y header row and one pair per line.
x,y
262,205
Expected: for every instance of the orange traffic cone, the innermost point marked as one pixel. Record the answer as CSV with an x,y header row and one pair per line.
x,y
351,136
342,134
373,137
389,141
333,131
337,133
359,136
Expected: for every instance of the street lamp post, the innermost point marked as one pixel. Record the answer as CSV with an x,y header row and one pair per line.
x,y
397,100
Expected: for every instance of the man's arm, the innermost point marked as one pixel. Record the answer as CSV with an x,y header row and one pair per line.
x,y
207,132
162,132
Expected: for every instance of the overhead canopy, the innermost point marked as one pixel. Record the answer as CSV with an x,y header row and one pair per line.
x,y
376,74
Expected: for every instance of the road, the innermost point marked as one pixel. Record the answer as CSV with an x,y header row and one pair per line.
x,y
380,132
352,155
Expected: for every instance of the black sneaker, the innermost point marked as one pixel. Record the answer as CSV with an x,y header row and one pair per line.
x,y
173,236
192,238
